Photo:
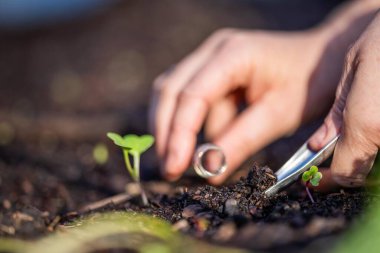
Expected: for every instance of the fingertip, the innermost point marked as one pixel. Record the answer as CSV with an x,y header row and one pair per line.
x,y
178,154
317,140
168,171
233,160
171,166
217,180
171,177
315,144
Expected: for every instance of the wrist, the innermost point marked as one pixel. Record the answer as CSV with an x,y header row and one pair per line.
x,y
344,26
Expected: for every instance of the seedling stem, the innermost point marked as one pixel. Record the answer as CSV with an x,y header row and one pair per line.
x,y
311,176
133,145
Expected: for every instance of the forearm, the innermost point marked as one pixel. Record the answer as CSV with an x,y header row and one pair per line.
x,y
342,27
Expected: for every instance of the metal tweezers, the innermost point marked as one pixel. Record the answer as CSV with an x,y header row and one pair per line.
x,y
301,161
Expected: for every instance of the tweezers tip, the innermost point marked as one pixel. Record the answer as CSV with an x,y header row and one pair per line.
x,y
270,191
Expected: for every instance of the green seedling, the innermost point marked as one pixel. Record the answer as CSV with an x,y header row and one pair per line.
x,y
135,146
313,177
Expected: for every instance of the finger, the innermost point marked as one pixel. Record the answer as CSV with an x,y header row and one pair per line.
x,y
357,147
167,86
220,117
210,84
187,122
253,129
353,158
330,128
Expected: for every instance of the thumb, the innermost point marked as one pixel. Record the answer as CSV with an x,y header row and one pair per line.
x,y
334,120
330,128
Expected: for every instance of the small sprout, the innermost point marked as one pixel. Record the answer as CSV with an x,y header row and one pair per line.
x,y
311,176
135,146
100,153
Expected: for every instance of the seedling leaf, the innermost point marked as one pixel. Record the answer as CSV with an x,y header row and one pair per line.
x,y
306,176
316,178
138,144
313,169
117,139
133,145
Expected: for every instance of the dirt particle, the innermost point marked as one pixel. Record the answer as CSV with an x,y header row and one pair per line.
x,y
7,204
252,209
225,232
181,225
231,207
9,230
191,210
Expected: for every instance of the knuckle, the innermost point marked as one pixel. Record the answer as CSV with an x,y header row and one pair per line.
x,y
349,179
158,83
186,95
235,41
189,102
351,53
363,51
223,33
167,90
352,177
352,56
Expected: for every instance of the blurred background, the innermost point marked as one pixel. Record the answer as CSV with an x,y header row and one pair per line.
x,y
71,70
66,64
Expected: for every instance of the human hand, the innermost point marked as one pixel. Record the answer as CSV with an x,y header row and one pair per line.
x,y
355,114
280,76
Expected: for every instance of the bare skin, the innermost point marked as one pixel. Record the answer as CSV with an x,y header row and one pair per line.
x,y
285,79
355,113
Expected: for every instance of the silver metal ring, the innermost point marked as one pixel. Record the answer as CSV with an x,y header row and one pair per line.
x,y
197,161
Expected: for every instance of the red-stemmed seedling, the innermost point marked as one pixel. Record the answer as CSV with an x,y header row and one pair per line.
x,y
311,176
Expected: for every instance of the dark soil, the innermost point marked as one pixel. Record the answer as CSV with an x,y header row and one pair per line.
x,y
37,196
240,215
